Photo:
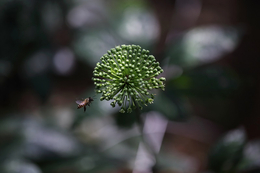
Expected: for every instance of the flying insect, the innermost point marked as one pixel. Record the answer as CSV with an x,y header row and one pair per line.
x,y
84,103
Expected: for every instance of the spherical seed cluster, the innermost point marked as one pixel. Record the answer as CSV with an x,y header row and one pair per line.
x,y
125,75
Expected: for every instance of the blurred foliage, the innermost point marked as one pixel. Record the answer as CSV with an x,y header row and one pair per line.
x,y
31,145
203,45
207,82
228,152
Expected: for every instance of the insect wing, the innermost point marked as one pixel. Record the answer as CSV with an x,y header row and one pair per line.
x,y
79,101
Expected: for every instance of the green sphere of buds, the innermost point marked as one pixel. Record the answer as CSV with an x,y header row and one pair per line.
x,y
125,74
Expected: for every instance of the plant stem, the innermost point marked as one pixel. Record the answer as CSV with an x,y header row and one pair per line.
x,y
144,138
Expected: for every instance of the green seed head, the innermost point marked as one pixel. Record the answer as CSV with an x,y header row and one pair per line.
x,y
125,75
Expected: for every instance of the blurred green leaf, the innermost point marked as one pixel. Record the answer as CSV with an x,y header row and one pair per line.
x,y
210,81
203,45
227,154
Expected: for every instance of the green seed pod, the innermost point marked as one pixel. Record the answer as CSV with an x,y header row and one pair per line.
x,y
125,74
